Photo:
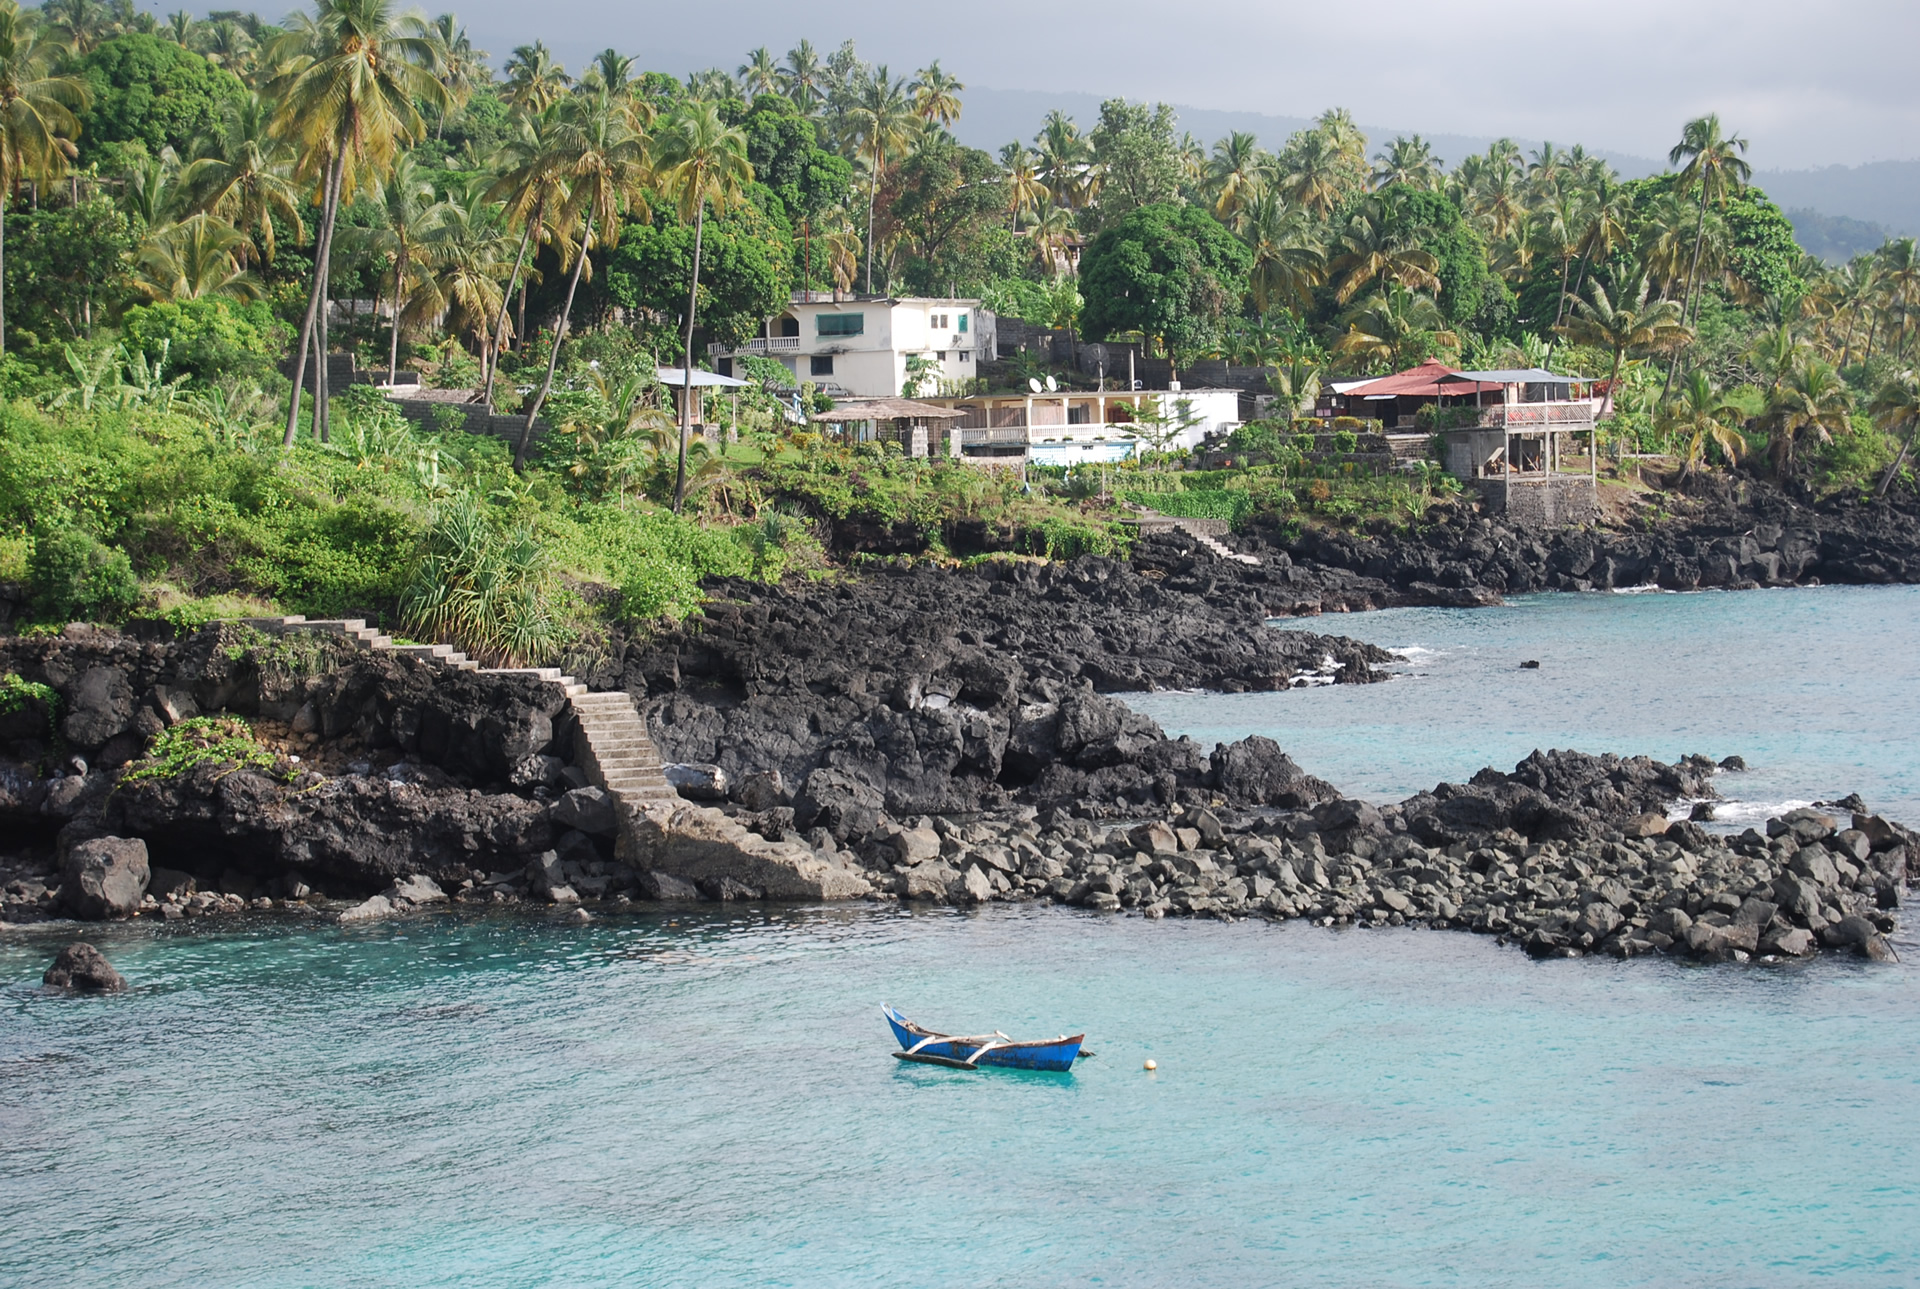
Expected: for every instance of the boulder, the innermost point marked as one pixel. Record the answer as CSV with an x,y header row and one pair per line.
x,y
978,888
705,847
762,790
916,845
99,706
1814,864
1650,824
368,910
1155,838
105,877
1795,942
838,802
929,881
561,893
83,968
418,889
590,810
536,771
697,781
1255,772
665,886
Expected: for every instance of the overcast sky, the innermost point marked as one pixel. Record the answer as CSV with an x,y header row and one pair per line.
x,y
1809,84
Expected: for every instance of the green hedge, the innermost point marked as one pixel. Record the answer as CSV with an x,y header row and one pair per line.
x,y
1213,503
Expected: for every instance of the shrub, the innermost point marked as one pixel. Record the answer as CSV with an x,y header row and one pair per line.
x,y
73,575
1346,441
204,740
481,589
210,339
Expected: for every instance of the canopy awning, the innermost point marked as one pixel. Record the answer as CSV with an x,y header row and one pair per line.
x,y
886,409
677,377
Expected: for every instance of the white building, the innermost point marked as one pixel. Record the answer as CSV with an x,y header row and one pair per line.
x,y
858,347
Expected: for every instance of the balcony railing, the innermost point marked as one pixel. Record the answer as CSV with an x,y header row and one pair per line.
x,y
758,345
1526,416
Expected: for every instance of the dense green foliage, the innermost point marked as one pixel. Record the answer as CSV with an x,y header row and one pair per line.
x,y
1167,271
152,92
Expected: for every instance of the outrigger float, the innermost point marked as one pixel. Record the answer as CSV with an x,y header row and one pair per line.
x,y
971,1052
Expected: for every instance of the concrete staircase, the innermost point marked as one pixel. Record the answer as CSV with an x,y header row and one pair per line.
x,y
373,640
1213,543
617,752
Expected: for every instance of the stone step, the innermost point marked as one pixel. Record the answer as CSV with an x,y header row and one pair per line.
x,y
431,653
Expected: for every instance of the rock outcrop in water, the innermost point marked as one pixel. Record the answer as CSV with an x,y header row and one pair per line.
x,y
84,969
1732,536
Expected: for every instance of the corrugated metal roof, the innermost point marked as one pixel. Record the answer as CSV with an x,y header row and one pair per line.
x,y
1512,376
675,377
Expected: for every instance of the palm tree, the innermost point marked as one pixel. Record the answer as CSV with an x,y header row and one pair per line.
x,y
178,27
38,121
1288,261
1237,174
242,174
760,74
351,79
702,160
1051,231
196,259
225,43
1393,326
530,186
1896,407
1605,231
710,86
80,25
936,95
1777,350
1900,282
151,192
407,211
601,157
1814,401
1715,167
1704,416
1409,163
461,249
1623,323
534,81
1025,192
460,67
803,76
1312,175
1370,249
882,123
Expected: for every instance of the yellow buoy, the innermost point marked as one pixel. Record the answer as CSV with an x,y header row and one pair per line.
x,y
1152,1065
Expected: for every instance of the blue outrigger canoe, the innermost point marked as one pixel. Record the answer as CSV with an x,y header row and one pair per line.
x,y
971,1052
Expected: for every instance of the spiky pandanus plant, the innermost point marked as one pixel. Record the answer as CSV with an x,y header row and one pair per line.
x,y
484,591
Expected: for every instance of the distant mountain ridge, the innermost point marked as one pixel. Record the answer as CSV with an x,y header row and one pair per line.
x,y
1882,193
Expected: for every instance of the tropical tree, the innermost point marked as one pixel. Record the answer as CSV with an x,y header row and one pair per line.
x,y
1702,417
243,175
1025,192
462,254
1409,163
601,156
1288,261
760,74
1395,327
459,67
535,82
1373,247
1714,167
196,259
406,210
530,186
38,121
803,77
882,123
1813,402
701,161
936,95
1623,322
352,76
1896,408
1237,174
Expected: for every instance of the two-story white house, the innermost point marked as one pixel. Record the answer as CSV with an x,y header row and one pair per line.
x,y
859,346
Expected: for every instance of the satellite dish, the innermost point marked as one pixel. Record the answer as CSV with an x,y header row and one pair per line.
x,y
1033,384
1093,358
1051,386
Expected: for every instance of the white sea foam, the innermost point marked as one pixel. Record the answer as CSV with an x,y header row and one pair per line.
x,y
1645,588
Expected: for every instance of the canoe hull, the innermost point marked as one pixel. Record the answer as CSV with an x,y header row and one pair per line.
x,y
1056,1056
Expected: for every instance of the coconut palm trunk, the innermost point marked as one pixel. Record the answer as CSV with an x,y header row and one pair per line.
x,y
323,243
399,293
559,336
500,322
3,272
686,358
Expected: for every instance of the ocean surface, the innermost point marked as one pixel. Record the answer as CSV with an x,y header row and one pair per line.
x,y
703,1097
707,1100
1817,688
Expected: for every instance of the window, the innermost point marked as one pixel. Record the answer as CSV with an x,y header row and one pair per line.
x,y
937,321
821,364
842,324
963,324
940,356
790,326
966,354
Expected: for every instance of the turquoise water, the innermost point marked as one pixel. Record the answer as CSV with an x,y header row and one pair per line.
x,y
1819,689
708,1101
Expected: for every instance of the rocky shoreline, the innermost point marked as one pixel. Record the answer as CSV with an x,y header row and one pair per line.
x,y
1729,534
920,734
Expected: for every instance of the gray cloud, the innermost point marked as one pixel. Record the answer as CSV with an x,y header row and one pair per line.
x,y
1809,85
